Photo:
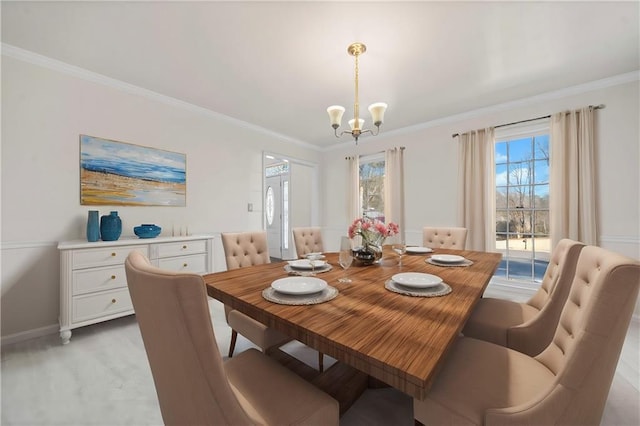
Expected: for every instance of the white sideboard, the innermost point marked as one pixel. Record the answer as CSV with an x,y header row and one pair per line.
x,y
93,285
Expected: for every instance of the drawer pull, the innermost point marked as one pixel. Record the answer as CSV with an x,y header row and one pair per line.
x,y
184,265
113,300
113,277
184,247
113,254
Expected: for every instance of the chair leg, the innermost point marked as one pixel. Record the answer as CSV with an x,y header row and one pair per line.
x,y
232,345
320,362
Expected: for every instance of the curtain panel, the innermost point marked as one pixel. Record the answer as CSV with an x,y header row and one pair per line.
x,y
394,189
572,189
354,210
476,181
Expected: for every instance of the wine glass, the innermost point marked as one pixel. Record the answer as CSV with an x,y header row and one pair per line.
x,y
400,248
345,257
313,257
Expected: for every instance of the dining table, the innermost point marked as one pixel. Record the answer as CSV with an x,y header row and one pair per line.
x,y
398,338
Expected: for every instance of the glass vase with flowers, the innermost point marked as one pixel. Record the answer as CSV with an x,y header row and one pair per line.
x,y
373,232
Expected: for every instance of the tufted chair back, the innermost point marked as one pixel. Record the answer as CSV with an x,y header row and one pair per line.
x,y
528,327
449,238
307,240
245,249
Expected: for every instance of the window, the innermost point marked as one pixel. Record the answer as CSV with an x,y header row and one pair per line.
x,y
372,186
522,203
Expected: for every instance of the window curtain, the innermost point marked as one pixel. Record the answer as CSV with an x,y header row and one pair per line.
x,y
476,181
572,197
394,189
354,209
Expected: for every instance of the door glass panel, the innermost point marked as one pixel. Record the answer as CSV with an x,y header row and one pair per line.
x,y
285,214
269,205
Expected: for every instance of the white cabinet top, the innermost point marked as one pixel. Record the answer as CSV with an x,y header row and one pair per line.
x,y
127,241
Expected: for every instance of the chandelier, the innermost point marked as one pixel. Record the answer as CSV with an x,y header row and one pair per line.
x,y
356,123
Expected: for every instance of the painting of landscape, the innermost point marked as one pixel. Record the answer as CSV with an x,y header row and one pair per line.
x,y
123,174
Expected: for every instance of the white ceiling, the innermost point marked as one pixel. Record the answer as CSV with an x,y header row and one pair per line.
x,y
280,65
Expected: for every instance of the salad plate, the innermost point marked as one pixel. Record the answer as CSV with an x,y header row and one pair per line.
x,y
419,250
306,264
299,285
416,279
447,258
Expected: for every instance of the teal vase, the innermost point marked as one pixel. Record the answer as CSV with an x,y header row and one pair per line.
x,y
110,227
93,226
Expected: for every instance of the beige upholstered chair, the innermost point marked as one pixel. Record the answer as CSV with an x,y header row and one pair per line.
x,y
240,250
247,249
194,385
307,240
484,383
528,327
450,238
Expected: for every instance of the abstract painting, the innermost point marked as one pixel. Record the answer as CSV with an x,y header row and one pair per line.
x,y
122,174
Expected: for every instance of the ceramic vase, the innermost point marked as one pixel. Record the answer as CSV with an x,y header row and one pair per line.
x,y
93,226
110,227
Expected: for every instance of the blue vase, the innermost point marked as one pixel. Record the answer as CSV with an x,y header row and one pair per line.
x,y
93,227
110,227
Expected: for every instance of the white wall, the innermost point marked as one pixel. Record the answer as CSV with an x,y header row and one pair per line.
x,y
43,113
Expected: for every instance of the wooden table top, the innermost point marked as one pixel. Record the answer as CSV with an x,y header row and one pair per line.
x,y
400,340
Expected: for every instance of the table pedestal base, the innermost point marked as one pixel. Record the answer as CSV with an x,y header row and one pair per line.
x,y
342,382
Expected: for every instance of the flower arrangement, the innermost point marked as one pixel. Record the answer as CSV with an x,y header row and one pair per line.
x,y
372,231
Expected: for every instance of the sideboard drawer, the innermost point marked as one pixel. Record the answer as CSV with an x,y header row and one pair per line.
x,y
196,263
104,256
101,304
96,279
181,248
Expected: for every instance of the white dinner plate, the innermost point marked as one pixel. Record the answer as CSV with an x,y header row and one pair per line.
x,y
419,250
306,264
315,255
416,279
299,285
447,258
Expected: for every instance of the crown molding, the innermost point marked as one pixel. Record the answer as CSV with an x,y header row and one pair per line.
x,y
84,74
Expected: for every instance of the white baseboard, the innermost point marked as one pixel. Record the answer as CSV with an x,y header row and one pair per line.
x,y
30,334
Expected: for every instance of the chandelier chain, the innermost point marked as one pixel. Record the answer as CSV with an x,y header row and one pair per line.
x,y
356,106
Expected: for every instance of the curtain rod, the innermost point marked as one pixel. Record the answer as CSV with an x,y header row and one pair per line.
x,y
402,148
601,106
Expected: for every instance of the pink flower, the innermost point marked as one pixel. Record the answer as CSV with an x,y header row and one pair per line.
x,y
372,230
393,229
